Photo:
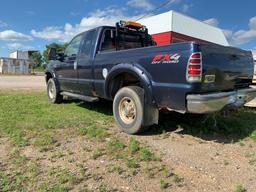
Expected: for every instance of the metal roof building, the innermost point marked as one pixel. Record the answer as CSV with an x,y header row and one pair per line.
x,y
15,66
173,27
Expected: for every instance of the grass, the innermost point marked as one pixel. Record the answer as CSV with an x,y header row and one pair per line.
x,y
27,115
14,183
27,118
17,158
234,128
5,184
95,131
115,145
132,163
253,135
98,153
163,184
146,155
177,179
23,114
133,146
240,188
116,169
57,188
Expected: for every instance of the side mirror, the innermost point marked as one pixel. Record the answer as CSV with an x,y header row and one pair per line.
x,y
60,56
52,54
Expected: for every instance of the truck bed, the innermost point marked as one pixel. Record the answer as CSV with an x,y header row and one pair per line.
x,y
231,67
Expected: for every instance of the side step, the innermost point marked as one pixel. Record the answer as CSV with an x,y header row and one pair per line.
x,y
81,97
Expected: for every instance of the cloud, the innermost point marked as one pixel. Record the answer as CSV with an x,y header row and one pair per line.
x,y
11,35
74,13
242,36
252,23
108,16
212,21
142,4
18,46
49,33
3,24
238,37
185,7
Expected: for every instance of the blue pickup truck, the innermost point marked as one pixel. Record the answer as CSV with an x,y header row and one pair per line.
x,y
123,64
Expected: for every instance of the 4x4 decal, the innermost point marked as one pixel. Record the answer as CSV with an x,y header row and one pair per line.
x,y
166,58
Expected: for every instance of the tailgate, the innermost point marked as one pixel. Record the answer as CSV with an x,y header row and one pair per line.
x,y
225,68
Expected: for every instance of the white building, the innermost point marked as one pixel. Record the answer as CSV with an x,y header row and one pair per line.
x,y
254,55
21,54
173,27
19,62
14,66
254,58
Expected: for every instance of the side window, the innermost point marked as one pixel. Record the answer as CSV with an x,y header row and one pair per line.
x,y
87,43
108,41
73,47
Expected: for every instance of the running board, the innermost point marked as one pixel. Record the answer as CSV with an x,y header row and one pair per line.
x,y
81,97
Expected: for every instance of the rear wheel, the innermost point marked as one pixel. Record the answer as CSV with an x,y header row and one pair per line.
x,y
128,109
53,92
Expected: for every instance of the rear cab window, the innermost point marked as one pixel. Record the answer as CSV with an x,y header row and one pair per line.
x,y
125,40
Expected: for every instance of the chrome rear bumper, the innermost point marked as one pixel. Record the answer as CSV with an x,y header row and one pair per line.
x,y
209,103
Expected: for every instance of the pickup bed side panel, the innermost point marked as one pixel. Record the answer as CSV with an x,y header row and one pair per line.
x,y
165,66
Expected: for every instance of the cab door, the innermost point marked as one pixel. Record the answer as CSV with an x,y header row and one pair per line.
x,y
67,71
85,63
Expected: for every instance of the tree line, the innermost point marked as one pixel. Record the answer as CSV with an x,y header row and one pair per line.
x,y
41,60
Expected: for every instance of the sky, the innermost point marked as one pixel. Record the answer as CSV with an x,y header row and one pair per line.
x,y
32,24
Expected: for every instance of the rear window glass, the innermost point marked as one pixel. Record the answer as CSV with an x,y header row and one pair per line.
x,y
126,41
130,41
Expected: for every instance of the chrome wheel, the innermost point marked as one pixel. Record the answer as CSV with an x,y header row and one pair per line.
x,y
127,110
51,90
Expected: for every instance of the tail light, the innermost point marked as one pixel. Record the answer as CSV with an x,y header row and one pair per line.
x,y
194,68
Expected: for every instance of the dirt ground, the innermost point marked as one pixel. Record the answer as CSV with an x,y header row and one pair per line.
x,y
205,163
208,165
22,82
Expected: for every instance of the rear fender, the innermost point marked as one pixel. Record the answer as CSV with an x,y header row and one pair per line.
x,y
135,70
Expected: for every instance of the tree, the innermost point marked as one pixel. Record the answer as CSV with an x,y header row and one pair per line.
x,y
59,47
37,58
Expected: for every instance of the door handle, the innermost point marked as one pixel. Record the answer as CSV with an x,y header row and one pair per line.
x,y
75,65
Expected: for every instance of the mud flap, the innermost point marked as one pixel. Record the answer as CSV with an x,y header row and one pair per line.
x,y
151,115
150,112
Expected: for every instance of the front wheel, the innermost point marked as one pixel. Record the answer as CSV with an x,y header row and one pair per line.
x,y
128,109
53,92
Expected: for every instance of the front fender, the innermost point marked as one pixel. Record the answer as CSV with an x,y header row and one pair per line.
x,y
137,71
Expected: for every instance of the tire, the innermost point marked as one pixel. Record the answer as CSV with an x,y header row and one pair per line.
x,y
128,109
53,92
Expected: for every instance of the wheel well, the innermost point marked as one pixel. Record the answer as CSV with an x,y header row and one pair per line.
x,y
123,80
48,76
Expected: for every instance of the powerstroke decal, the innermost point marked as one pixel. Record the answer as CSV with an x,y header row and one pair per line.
x,y
166,58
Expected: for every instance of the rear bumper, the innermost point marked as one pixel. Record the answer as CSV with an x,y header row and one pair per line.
x,y
209,103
